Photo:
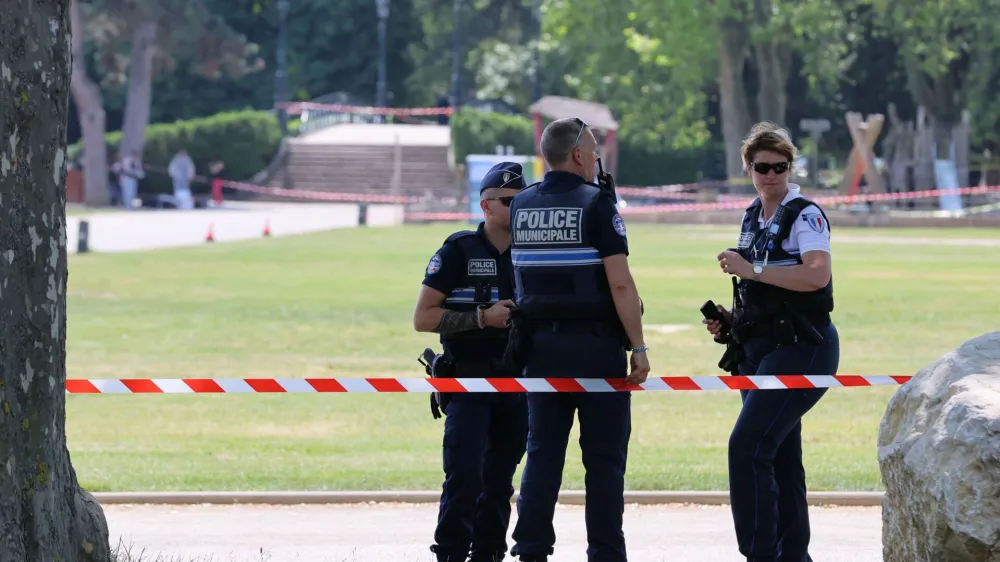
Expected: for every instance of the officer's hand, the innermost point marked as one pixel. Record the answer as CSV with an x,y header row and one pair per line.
x,y
734,264
496,315
714,326
640,368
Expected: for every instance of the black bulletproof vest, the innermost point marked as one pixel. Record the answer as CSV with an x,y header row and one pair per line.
x,y
558,274
761,300
480,286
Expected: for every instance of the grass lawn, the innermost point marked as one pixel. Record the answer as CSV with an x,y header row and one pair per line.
x,y
339,304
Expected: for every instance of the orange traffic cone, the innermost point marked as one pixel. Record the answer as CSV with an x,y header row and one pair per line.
x,y
267,226
210,237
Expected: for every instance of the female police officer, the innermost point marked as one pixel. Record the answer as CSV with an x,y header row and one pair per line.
x,y
780,325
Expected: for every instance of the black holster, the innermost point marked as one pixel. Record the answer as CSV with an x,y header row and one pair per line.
x,y
438,366
733,356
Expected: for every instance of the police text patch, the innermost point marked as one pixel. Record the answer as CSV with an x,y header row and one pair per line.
x,y
560,225
746,238
482,267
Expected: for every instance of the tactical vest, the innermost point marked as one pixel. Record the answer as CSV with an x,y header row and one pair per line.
x,y
480,286
558,274
761,300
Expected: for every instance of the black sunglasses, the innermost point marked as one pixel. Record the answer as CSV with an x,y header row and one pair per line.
x,y
505,200
763,168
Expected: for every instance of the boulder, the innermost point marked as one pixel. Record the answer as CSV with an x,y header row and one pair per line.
x,y
939,453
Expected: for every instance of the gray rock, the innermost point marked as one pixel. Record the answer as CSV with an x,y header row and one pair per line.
x,y
939,453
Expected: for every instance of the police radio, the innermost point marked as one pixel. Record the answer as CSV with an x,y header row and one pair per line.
x,y
605,181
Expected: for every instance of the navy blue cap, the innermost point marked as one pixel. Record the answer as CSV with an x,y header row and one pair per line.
x,y
505,174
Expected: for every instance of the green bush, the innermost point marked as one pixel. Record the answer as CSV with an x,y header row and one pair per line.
x,y
479,132
244,140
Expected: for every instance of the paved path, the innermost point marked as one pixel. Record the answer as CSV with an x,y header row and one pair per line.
x,y
144,229
401,533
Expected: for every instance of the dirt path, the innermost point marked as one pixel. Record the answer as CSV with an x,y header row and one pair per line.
x,y
401,533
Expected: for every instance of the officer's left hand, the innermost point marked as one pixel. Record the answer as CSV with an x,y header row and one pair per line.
x,y
733,263
640,368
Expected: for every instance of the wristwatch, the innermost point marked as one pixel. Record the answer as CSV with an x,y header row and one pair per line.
x,y
757,269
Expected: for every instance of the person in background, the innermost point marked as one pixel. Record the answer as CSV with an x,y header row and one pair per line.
x,y
130,171
181,171
780,325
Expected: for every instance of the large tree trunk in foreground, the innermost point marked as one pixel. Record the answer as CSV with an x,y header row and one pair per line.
x,y
140,89
90,111
44,516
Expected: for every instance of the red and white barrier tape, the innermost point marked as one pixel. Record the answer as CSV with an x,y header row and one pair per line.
x,y
828,200
468,385
742,204
296,107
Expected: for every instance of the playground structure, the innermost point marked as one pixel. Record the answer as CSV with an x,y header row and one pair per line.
x,y
912,159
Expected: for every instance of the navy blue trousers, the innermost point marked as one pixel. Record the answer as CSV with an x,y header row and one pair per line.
x,y
605,428
767,481
484,440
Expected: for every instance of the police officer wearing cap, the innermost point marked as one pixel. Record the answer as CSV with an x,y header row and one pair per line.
x,y
576,296
780,325
465,297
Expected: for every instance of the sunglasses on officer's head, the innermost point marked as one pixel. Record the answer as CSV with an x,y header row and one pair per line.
x,y
505,200
763,168
583,126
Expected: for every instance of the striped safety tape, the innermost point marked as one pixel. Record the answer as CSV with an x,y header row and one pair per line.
x,y
463,385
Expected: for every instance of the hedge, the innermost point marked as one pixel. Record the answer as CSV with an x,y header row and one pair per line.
x,y
244,140
479,132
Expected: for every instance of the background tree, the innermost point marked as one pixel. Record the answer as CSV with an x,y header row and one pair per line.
x,y
91,116
43,512
946,48
156,35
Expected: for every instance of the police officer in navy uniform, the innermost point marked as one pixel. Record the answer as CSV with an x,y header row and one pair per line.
x,y
780,325
466,297
576,294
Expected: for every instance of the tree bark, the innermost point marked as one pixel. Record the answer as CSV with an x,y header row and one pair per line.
x,y
140,88
90,112
734,40
44,515
773,61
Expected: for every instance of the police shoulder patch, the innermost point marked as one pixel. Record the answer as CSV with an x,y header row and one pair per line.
x,y
619,224
815,221
434,265
746,238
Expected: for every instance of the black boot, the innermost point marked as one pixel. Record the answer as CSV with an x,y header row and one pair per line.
x,y
447,556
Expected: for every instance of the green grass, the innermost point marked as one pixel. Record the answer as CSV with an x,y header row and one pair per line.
x,y
339,304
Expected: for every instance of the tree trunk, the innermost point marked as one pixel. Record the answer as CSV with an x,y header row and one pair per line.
x,y
44,515
733,42
773,61
90,112
773,64
140,89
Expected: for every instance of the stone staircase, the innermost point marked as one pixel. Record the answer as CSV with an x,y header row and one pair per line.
x,y
368,169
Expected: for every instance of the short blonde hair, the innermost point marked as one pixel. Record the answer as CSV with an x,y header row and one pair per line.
x,y
770,137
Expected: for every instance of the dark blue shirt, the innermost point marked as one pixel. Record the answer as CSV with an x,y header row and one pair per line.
x,y
447,271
